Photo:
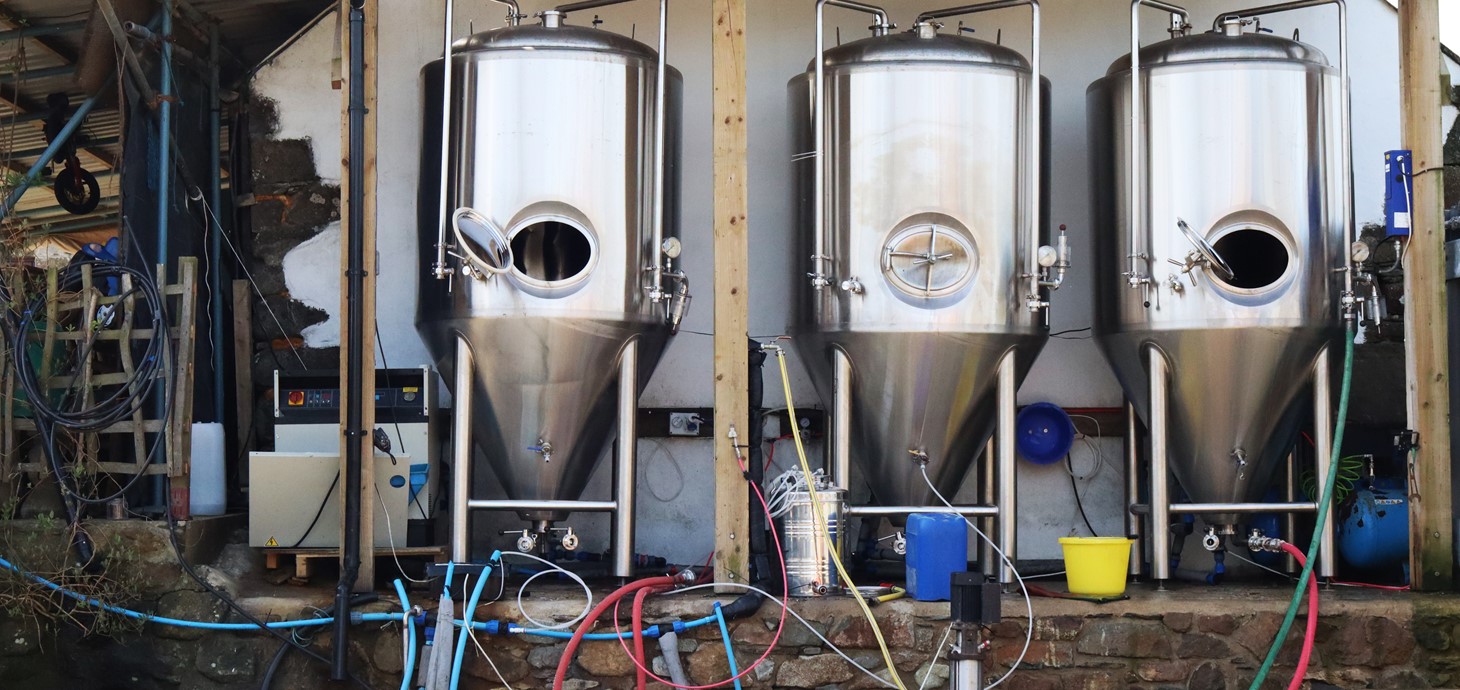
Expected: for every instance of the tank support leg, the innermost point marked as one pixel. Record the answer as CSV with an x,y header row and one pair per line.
x,y
1007,489
1133,525
626,451
1290,520
1323,455
987,561
1160,472
461,455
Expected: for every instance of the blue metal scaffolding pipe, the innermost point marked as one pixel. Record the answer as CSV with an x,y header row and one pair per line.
x,y
50,153
164,140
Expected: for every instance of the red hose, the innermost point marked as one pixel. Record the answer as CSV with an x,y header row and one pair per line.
x,y
639,597
1297,682
780,626
562,673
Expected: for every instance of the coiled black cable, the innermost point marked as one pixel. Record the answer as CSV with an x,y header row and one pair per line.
x,y
72,411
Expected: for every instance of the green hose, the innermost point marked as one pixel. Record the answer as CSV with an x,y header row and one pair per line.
x,y
1329,481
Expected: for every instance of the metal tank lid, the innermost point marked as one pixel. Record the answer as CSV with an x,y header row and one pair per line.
x,y
1218,46
562,37
909,46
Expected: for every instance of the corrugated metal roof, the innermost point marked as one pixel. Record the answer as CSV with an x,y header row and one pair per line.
x,y
35,66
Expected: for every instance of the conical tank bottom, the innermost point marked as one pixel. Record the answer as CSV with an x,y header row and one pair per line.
x,y
1237,400
918,391
544,397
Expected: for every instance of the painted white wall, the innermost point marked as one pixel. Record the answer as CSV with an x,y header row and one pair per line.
x,y
1081,39
299,82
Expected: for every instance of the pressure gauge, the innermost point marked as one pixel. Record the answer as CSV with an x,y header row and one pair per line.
x,y
1359,251
671,247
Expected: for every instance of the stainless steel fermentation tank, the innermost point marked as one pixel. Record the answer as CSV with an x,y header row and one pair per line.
x,y
922,213
547,288
1223,228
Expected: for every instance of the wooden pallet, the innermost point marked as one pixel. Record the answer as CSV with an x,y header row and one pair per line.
x,y
81,308
304,559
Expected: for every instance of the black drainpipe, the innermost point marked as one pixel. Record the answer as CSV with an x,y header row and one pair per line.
x,y
760,561
354,343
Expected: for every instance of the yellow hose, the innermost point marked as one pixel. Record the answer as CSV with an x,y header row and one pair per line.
x,y
821,520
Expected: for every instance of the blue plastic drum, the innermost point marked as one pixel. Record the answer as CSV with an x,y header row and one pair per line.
x,y
1043,433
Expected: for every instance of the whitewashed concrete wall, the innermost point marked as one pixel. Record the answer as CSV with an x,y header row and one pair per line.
x,y
1081,39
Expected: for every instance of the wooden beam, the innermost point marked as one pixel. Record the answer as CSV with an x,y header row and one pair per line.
x,y
1425,318
732,305
243,372
365,582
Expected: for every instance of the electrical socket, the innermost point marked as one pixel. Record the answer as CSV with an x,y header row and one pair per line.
x,y
684,424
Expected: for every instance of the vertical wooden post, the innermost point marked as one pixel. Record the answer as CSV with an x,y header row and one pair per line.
x,y
366,580
243,366
732,305
179,424
1425,318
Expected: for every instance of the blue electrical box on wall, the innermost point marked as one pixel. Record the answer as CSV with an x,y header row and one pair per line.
x,y
1398,191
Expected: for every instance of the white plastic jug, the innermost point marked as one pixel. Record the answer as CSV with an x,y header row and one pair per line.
x,y
209,488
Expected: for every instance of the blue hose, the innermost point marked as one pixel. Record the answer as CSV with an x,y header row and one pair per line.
x,y
405,605
729,651
471,606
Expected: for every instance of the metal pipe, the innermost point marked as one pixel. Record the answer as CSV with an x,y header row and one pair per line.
x,y
871,511
215,251
354,436
627,449
154,41
514,13
839,455
1032,271
47,30
439,269
1160,472
819,279
661,100
1290,521
965,660
1007,492
461,455
1133,525
1212,508
164,144
544,505
1136,211
1323,456
1346,132
288,43
987,560
34,172
129,56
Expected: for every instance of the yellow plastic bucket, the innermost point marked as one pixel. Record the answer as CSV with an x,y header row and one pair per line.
x,y
1096,566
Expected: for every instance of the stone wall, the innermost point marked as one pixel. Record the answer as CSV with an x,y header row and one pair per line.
x,y
1391,642
1192,638
290,204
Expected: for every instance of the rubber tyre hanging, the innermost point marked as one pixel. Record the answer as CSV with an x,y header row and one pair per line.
x,y
77,192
